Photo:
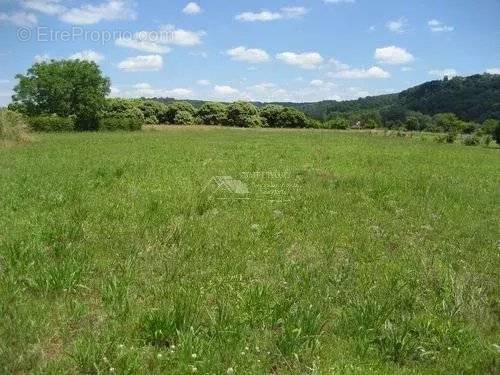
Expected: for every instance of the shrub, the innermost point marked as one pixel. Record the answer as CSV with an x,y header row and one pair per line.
x,y
52,123
244,115
489,126
212,114
496,133
292,118
471,140
447,138
12,127
122,108
183,118
448,122
152,111
337,123
119,123
172,109
271,114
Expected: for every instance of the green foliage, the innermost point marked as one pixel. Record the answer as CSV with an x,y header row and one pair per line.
x,y
65,88
394,117
448,122
496,133
12,127
337,122
292,118
212,114
271,113
120,123
123,108
473,98
489,126
449,137
52,123
153,111
183,118
471,140
417,121
173,108
243,115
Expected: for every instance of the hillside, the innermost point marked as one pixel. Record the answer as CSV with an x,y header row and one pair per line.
x,y
473,98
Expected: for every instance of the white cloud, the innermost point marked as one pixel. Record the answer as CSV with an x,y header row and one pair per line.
x,y
192,8
338,65
87,55
142,45
316,82
142,63
493,70
267,16
92,14
264,16
158,42
50,7
42,58
397,26
181,37
21,19
437,26
406,69
393,55
251,55
443,72
203,82
225,90
115,91
373,72
306,60
294,12
146,90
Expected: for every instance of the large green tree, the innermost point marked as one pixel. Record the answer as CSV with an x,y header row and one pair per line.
x,y
65,88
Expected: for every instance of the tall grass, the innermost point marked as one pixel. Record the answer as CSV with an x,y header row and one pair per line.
x,y
115,256
13,128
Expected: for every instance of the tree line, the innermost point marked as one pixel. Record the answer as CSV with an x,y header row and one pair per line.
x,y
64,95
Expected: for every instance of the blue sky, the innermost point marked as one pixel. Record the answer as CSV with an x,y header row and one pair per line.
x,y
257,50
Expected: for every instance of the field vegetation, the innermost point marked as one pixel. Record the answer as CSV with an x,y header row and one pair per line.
x,y
350,253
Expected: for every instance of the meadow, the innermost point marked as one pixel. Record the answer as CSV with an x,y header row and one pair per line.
x,y
339,253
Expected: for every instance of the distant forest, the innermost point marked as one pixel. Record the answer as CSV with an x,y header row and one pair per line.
x,y
475,98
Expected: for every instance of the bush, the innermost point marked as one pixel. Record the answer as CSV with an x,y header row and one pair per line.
x,y
489,126
340,123
152,111
471,140
292,118
12,127
52,123
122,108
447,138
496,133
119,123
244,115
212,114
271,114
184,118
172,109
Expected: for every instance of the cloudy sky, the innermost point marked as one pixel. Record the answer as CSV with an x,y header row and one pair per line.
x,y
268,50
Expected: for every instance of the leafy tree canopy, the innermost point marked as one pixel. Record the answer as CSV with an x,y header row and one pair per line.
x,y
64,88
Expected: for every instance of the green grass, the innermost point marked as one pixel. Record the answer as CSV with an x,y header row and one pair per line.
x,y
354,254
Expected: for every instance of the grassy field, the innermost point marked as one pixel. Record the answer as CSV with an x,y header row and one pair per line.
x,y
248,251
